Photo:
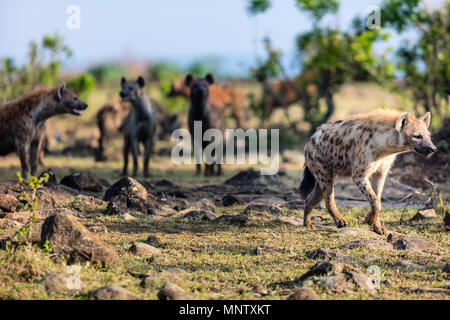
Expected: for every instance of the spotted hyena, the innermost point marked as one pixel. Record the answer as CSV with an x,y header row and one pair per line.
x,y
22,122
202,110
364,146
139,125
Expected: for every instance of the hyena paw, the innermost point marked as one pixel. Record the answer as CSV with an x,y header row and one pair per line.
x,y
379,229
370,219
341,223
310,226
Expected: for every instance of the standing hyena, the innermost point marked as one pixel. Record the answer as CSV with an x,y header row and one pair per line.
x,y
22,122
201,110
139,125
363,146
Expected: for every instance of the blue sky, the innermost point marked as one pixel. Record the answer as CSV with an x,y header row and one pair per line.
x,y
177,30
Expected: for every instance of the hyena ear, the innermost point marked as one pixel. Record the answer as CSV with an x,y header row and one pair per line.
x,y
401,122
123,81
188,80
426,118
209,77
141,82
60,92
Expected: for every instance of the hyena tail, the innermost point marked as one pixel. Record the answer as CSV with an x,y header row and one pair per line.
x,y
307,184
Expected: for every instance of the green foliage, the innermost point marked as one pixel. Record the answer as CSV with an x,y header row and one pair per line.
x,y
82,85
165,73
318,8
258,6
107,73
42,68
32,184
425,64
271,66
202,67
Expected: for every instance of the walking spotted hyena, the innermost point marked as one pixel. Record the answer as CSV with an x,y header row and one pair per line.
x,y
201,110
364,146
22,122
139,125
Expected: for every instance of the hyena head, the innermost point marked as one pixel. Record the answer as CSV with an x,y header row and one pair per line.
x,y
199,87
179,88
67,102
132,90
415,133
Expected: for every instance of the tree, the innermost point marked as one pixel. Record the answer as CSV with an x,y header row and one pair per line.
x,y
328,58
43,67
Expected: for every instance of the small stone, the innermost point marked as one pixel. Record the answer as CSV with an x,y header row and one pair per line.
x,y
297,222
204,204
199,215
373,244
153,240
258,207
386,283
9,224
84,181
143,248
329,254
127,217
51,178
304,293
321,268
240,219
231,200
112,292
171,291
406,265
126,187
447,221
413,243
98,229
424,214
8,203
61,281
446,268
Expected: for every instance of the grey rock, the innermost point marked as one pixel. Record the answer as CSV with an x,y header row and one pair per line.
x,y
171,291
304,294
143,248
112,292
199,215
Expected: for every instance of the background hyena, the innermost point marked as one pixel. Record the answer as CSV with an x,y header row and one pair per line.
x,y
139,125
364,147
22,122
110,120
201,110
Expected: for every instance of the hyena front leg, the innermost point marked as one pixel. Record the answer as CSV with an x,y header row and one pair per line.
x,y
35,149
126,152
315,197
23,150
135,153
373,217
147,152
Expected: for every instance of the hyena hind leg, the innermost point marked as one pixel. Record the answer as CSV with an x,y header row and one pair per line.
x,y
315,197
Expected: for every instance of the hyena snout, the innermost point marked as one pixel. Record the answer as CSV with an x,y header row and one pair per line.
x,y
426,150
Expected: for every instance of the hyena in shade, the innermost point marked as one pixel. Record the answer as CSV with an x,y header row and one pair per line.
x,y
139,125
202,110
22,122
364,146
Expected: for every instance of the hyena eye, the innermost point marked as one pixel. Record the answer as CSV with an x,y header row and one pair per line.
x,y
75,99
417,136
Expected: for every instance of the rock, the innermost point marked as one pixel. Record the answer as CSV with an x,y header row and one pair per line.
x,y
126,187
304,294
252,177
199,215
411,243
321,268
181,204
128,217
84,181
143,248
9,224
112,292
117,206
259,251
61,281
51,178
386,283
424,214
204,204
434,290
153,240
261,207
357,232
446,268
260,290
98,229
174,272
21,217
8,203
231,200
240,219
171,291
337,282
71,239
361,281
406,265
297,222
375,244
330,254
447,221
